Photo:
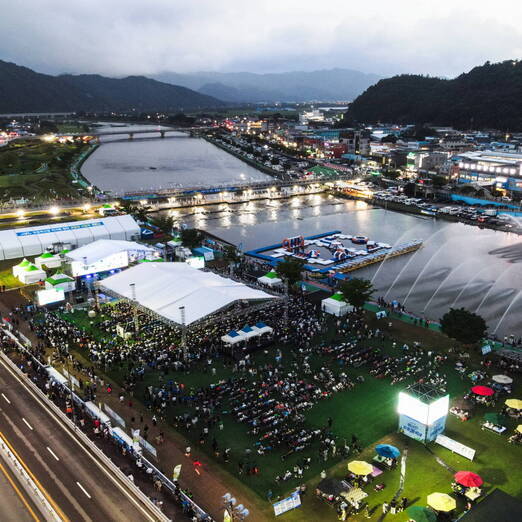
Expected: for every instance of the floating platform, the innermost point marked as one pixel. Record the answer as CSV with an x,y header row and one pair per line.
x,y
327,253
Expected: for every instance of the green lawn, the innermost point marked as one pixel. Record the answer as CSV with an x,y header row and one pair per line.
x,y
369,411
8,280
37,170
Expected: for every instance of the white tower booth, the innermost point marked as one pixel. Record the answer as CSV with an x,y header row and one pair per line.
x,y
422,409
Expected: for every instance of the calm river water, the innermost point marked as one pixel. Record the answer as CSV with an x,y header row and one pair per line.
x,y
459,265
120,165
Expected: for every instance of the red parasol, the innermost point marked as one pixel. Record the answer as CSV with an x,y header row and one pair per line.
x,y
468,479
483,390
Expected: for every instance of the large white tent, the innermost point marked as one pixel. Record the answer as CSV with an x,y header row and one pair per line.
x,y
107,254
32,241
165,287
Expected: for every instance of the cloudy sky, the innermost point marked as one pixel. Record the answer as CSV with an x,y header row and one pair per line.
x,y
120,37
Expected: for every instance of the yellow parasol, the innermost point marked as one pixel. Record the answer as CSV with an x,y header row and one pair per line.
x,y
441,502
516,404
359,467
519,428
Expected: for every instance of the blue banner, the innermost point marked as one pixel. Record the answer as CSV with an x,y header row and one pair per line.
x,y
63,228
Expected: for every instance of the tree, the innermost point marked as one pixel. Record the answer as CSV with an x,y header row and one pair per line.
x,y
356,291
165,224
136,210
438,181
290,269
191,237
463,326
232,256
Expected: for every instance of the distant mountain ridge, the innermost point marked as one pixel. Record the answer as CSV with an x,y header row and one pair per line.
x,y
297,86
24,90
488,96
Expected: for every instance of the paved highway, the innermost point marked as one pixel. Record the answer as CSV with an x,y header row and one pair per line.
x,y
72,481
17,505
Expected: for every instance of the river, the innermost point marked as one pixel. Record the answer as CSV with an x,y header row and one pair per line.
x,y
147,162
459,264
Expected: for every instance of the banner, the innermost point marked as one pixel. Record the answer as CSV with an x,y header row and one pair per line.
x,y
25,339
149,447
176,473
287,504
135,435
114,415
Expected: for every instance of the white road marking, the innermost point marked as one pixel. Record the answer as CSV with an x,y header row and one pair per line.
x,y
6,399
28,425
83,489
52,453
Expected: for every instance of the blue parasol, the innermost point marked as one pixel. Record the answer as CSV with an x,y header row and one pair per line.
x,y
388,451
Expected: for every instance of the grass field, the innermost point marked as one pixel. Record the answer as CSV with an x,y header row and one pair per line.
x,y
37,170
369,411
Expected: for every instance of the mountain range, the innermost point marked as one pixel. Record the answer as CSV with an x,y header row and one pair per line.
x,y
298,86
488,96
24,90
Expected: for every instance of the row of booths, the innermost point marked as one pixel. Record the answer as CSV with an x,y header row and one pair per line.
x,y
246,333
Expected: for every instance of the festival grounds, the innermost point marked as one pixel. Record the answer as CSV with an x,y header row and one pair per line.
x,y
368,411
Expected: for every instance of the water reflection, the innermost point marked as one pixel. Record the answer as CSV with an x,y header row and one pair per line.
x,y
458,263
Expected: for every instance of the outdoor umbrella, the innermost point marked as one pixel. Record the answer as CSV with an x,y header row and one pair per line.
x,y
421,514
519,428
387,450
359,467
494,418
468,479
441,502
482,390
516,404
502,379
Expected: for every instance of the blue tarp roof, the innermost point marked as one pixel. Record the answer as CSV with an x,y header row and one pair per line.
x,y
246,329
260,324
232,333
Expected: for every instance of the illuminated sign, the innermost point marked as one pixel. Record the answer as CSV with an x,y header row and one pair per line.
x,y
50,296
421,420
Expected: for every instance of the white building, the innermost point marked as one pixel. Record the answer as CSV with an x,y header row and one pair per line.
x,y
33,241
107,254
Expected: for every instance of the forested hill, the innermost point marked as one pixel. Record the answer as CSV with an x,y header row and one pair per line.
x,y
489,96
24,90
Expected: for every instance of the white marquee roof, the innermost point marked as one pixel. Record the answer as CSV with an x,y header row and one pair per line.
x,y
103,248
164,287
32,241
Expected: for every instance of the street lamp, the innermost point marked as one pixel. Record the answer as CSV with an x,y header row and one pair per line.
x,y
183,332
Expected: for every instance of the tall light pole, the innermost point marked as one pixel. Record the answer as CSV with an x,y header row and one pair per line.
x,y
133,297
286,304
183,332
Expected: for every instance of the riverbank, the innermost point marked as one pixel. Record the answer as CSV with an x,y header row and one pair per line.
x,y
260,166
410,209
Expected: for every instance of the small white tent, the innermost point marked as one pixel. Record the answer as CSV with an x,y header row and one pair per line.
x,y
335,305
233,337
31,274
20,267
60,282
49,260
270,279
